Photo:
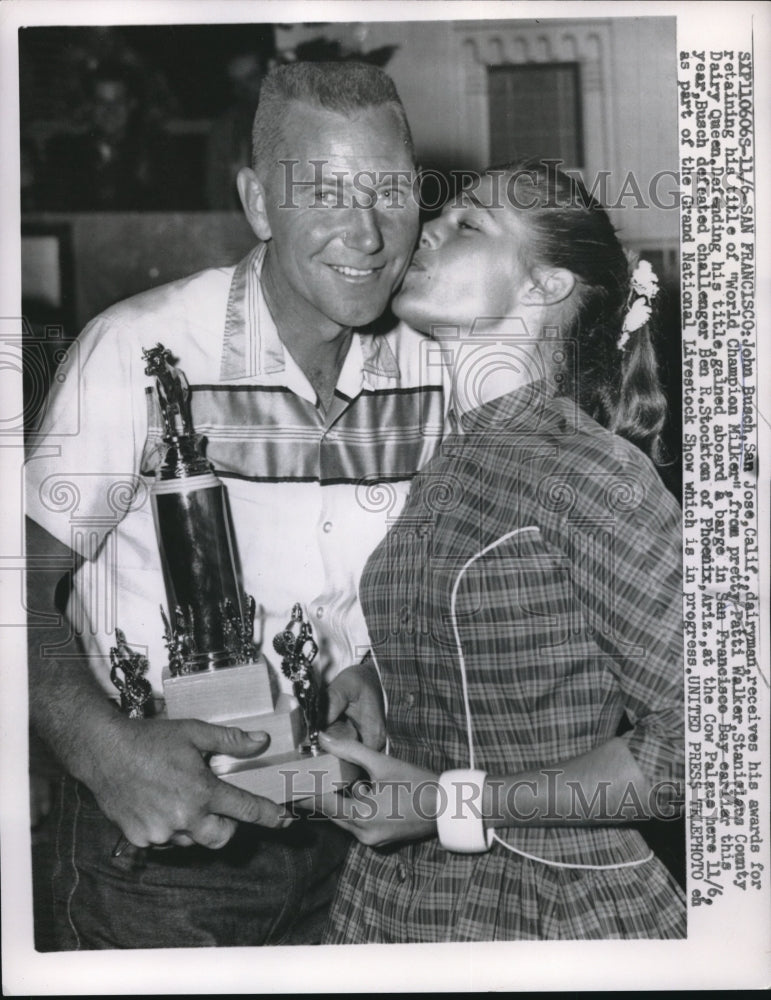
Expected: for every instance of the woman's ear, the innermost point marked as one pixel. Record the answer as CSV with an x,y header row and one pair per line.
x,y
549,286
252,194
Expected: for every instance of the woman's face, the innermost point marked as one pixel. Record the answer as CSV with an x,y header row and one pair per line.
x,y
469,264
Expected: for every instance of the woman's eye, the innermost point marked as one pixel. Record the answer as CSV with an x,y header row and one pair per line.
x,y
463,224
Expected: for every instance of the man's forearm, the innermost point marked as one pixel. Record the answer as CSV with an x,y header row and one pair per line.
x,y
68,708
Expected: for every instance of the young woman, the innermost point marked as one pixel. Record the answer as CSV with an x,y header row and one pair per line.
x,y
526,608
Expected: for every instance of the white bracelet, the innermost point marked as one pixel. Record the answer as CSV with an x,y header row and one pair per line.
x,y
459,822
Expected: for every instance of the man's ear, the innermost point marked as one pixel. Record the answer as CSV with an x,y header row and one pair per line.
x,y
548,287
252,194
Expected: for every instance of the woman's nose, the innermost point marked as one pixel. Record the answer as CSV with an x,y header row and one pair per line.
x,y
429,236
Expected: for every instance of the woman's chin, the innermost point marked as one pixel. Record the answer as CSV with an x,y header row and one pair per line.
x,y
405,308
405,316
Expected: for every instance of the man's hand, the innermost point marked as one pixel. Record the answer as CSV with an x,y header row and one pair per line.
x,y
356,694
149,776
398,803
152,780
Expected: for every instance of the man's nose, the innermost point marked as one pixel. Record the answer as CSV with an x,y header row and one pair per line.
x,y
362,231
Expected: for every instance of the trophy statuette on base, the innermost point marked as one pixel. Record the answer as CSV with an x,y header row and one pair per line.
x,y
215,673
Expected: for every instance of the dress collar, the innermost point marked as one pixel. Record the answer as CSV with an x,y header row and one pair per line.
x,y
532,407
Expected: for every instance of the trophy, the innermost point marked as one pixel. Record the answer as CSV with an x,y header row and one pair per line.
x,y
215,672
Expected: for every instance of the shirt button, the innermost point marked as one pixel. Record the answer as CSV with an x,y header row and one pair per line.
x,y
327,527
319,612
409,700
401,872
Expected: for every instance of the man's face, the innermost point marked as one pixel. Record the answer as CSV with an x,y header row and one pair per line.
x,y
112,106
342,216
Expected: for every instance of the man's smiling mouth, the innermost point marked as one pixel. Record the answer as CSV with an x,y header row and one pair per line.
x,y
354,272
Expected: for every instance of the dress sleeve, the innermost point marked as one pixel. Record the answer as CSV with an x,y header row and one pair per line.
x,y
82,473
629,591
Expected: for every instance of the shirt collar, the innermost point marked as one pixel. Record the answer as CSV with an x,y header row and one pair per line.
x,y
250,344
252,347
377,355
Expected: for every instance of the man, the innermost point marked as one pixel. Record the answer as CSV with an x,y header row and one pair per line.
x,y
316,429
110,166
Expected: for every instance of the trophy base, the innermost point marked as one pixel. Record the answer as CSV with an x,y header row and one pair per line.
x,y
240,696
219,695
287,777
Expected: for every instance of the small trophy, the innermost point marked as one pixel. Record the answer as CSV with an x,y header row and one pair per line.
x,y
215,672
298,649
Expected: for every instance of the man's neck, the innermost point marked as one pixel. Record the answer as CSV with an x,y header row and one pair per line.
x,y
321,355
322,365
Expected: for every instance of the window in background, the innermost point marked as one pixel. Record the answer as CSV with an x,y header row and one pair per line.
x,y
535,110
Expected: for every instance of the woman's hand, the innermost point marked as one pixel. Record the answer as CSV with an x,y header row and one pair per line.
x,y
397,803
356,694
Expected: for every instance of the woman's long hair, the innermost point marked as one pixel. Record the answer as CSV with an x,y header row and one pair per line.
x,y
617,385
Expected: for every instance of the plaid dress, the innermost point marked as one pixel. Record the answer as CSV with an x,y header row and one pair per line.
x,y
539,555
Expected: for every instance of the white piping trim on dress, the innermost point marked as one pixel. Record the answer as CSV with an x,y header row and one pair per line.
x,y
467,708
387,747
